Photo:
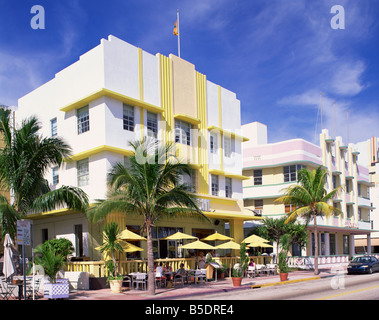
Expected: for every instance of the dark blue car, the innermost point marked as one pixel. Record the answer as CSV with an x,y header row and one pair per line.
x,y
365,264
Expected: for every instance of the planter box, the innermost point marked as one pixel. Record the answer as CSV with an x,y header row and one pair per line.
x,y
58,290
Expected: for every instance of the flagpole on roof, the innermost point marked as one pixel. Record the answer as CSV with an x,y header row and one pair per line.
x,y
177,13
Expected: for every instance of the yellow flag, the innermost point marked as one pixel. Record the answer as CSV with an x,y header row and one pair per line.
x,y
176,28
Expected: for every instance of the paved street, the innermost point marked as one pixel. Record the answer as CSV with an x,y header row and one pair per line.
x,y
339,287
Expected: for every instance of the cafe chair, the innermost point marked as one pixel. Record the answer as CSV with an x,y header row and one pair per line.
x,y
127,280
6,289
140,279
159,279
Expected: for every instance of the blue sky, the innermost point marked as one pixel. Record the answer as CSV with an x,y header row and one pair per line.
x,y
277,55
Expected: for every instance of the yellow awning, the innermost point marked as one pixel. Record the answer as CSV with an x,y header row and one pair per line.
x,y
253,239
129,235
217,237
197,245
229,245
179,236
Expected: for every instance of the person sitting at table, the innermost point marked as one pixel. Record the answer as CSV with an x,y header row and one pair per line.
x,y
251,263
167,267
168,271
201,260
155,266
181,269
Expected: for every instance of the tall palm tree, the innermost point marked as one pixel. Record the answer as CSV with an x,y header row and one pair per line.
x,y
150,187
24,161
311,200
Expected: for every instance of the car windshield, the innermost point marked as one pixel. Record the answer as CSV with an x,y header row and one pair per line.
x,y
361,260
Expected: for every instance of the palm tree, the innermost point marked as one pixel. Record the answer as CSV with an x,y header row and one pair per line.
x,y
24,161
150,187
112,244
311,200
49,259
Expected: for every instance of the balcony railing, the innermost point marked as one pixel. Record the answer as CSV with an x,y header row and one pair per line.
x,y
97,268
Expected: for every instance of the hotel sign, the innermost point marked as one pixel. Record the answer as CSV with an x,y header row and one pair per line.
x,y
353,225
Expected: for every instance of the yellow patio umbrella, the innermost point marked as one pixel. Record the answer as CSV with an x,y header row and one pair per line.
x,y
179,236
130,236
197,245
259,244
254,238
216,236
229,245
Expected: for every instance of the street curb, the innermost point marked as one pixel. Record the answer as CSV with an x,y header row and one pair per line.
x,y
283,282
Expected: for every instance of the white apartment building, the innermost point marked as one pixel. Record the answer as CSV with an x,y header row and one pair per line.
x,y
272,167
116,93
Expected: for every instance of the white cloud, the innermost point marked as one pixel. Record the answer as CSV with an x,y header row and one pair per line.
x,y
347,79
340,117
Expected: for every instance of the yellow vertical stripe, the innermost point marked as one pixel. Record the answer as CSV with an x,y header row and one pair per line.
x,y
166,95
203,133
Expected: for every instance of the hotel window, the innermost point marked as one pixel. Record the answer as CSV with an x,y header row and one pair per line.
x,y
290,172
54,128
347,186
258,177
78,240
83,172
83,119
213,143
128,117
228,147
214,185
228,187
183,132
152,124
258,204
44,235
189,180
55,175
334,178
289,207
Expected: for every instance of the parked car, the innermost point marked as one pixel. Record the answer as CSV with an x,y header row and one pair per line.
x,y
364,264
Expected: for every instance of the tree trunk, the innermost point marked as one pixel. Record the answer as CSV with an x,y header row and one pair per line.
x,y
150,261
316,245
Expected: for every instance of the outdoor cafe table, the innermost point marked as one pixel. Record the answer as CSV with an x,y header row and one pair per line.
x,y
20,284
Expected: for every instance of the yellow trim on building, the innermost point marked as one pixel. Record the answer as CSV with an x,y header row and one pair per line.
x,y
228,175
228,133
112,94
166,95
189,119
231,215
203,175
103,148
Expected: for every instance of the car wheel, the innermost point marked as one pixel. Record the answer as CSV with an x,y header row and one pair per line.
x,y
369,271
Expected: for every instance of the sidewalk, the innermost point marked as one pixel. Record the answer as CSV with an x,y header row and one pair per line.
x,y
224,285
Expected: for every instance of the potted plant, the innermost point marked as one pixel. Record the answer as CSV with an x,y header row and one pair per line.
x,y
51,262
111,246
283,268
240,268
221,271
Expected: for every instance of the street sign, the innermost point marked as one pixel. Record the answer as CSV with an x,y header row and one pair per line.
x,y
24,235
